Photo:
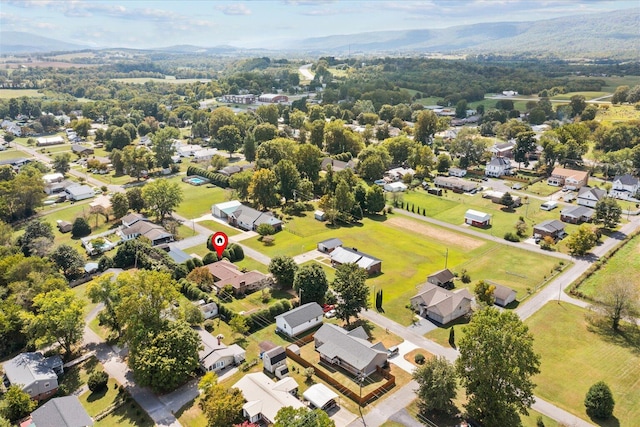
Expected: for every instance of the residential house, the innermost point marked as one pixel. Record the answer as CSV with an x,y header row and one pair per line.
x,y
35,374
441,305
576,214
223,210
395,187
320,396
188,150
300,319
233,169
350,350
572,179
342,255
497,167
551,228
154,232
398,174
79,192
81,150
457,172
329,245
130,219
66,411
274,358
454,183
337,165
239,99
496,197
215,356
47,141
209,310
503,149
503,295
247,218
477,218
443,278
625,187
226,273
265,397
589,197
204,155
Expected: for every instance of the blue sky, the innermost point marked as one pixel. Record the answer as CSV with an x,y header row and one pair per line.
x,y
263,23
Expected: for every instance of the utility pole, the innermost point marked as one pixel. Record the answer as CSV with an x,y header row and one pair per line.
x,y
446,258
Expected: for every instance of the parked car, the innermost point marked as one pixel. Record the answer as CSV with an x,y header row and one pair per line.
x,y
328,307
329,314
393,351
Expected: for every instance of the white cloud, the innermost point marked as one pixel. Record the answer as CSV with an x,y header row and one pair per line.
x,y
234,9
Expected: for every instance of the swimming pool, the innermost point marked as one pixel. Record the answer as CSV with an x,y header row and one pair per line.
x,y
197,181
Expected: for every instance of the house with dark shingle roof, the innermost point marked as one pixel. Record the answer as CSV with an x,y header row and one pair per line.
x,y
300,319
64,411
576,214
441,305
551,227
274,358
443,278
625,187
350,350
588,196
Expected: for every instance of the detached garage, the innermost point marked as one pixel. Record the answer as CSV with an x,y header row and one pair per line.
x,y
477,218
320,396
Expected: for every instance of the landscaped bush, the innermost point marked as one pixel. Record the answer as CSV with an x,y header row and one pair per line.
x,y
98,381
511,237
419,358
192,291
599,401
105,263
210,258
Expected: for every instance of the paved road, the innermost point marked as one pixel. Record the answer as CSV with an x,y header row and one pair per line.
x,y
305,70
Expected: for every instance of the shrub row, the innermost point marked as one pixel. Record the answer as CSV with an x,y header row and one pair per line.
x,y
233,253
192,291
262,318
216,178
343,157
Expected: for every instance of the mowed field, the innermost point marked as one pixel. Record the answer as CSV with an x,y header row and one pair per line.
x,y
575,355
17,93
410,250
625,265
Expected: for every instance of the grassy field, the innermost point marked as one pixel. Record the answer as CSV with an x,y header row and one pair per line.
x,y
587,95
575,354
451,208
624,264
17,93
197,200
419,250
541,188
216,226
617,113
11,154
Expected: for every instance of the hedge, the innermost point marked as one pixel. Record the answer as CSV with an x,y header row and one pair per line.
x,y
216,178
192,291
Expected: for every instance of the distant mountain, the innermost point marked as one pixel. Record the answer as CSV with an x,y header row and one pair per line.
x,y
21,42
608,34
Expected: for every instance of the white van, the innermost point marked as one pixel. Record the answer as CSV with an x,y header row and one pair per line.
x,y
547,206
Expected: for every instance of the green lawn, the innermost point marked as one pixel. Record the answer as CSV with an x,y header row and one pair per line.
x,y
625,263
253,302
451,208
541,188
575,354
418,250
216,226
197,200
587,95
128,414
18,93
617,113
11,154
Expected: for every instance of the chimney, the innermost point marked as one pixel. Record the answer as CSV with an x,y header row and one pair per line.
x,y
218,340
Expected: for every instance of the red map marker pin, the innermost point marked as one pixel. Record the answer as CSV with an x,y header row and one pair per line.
x,y
219,241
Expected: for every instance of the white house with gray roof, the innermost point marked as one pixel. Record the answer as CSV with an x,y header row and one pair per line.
x,y
265,397
216,356
35,374
247,218
625,187
350,350
300,319
342,255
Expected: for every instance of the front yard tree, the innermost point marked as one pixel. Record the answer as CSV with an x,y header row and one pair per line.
x,y
608,212
262,188
58,319
618,300
162,197
311,283
240,183
375,199
525,143
61,163
436,385
119,205
239,325
443,163
582,240
16,404
507,200
308,161
163,145
353,293
426,125
344,198
284,270
599,401
221,406
168,358
302,417
104,290
495,366
68,259
134,196
288,177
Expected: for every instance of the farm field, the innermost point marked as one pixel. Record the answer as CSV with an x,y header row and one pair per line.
x,y
418,250
625,264
18,93
587,95
575,354
617,113
143,80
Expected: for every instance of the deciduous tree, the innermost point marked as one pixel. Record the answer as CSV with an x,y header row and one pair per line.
x,y
240,182
618,300
163,145
229,138
162,197
16,404
105,290
436,385
68,259
599,401
283,269
302,417
288,178
425,127
136,201
607,212
119,205
58,318
353,293
582,240
375,199
495,366
484,292
261,188
61,163
221,406
311,283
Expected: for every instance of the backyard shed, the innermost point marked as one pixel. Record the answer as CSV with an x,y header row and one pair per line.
x,y
477,218
320,396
